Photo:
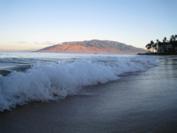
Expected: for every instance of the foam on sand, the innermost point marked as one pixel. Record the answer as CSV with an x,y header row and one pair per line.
x,y
50,81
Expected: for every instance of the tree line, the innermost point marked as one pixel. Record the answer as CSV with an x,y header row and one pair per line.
x,y
163,46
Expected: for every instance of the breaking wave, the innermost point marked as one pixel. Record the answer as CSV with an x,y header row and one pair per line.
x,y
50,81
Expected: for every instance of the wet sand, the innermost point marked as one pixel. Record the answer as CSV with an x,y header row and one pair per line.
x,y
138,103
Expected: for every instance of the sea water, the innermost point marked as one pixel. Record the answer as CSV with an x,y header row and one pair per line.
x,y
54,75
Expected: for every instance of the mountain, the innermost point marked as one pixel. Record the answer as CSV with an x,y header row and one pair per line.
x,y
93,46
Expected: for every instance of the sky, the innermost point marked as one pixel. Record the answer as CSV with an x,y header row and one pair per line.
x,y
33,24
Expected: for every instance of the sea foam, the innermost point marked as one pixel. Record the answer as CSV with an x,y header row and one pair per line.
x,y
53,80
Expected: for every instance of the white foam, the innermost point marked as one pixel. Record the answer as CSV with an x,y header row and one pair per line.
x,y
50,81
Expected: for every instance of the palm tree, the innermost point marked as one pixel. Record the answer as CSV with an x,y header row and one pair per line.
x,y
175,37
172,38
175,44
172,42
156,44
157,41
152,42
150,45
164,40
166,46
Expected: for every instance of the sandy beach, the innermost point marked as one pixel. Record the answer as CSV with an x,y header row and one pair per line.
x,y
137,103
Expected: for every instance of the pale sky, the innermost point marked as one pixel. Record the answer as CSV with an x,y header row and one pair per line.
x,y
33,24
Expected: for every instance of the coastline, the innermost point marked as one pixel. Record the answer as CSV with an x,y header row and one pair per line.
x,y
140,102
157,54
60,77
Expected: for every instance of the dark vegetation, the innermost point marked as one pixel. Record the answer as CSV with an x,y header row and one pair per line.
x,y
164,47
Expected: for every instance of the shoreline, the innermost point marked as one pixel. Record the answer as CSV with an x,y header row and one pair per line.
x,y
79,93
158,54
49,80
140,102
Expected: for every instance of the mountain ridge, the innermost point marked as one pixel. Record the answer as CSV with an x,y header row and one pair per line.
x,y
93,46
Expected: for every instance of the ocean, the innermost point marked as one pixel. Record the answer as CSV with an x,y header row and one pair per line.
x,y
53,76
90,94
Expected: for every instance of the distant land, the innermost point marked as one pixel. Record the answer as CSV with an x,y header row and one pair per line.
x,y
93,46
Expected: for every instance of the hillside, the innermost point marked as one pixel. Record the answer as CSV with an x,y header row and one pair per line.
x,y
93,46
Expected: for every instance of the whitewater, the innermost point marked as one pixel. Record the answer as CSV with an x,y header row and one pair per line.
x,y
55,76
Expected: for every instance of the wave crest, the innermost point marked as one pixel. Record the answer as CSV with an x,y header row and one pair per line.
x,y
50,81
